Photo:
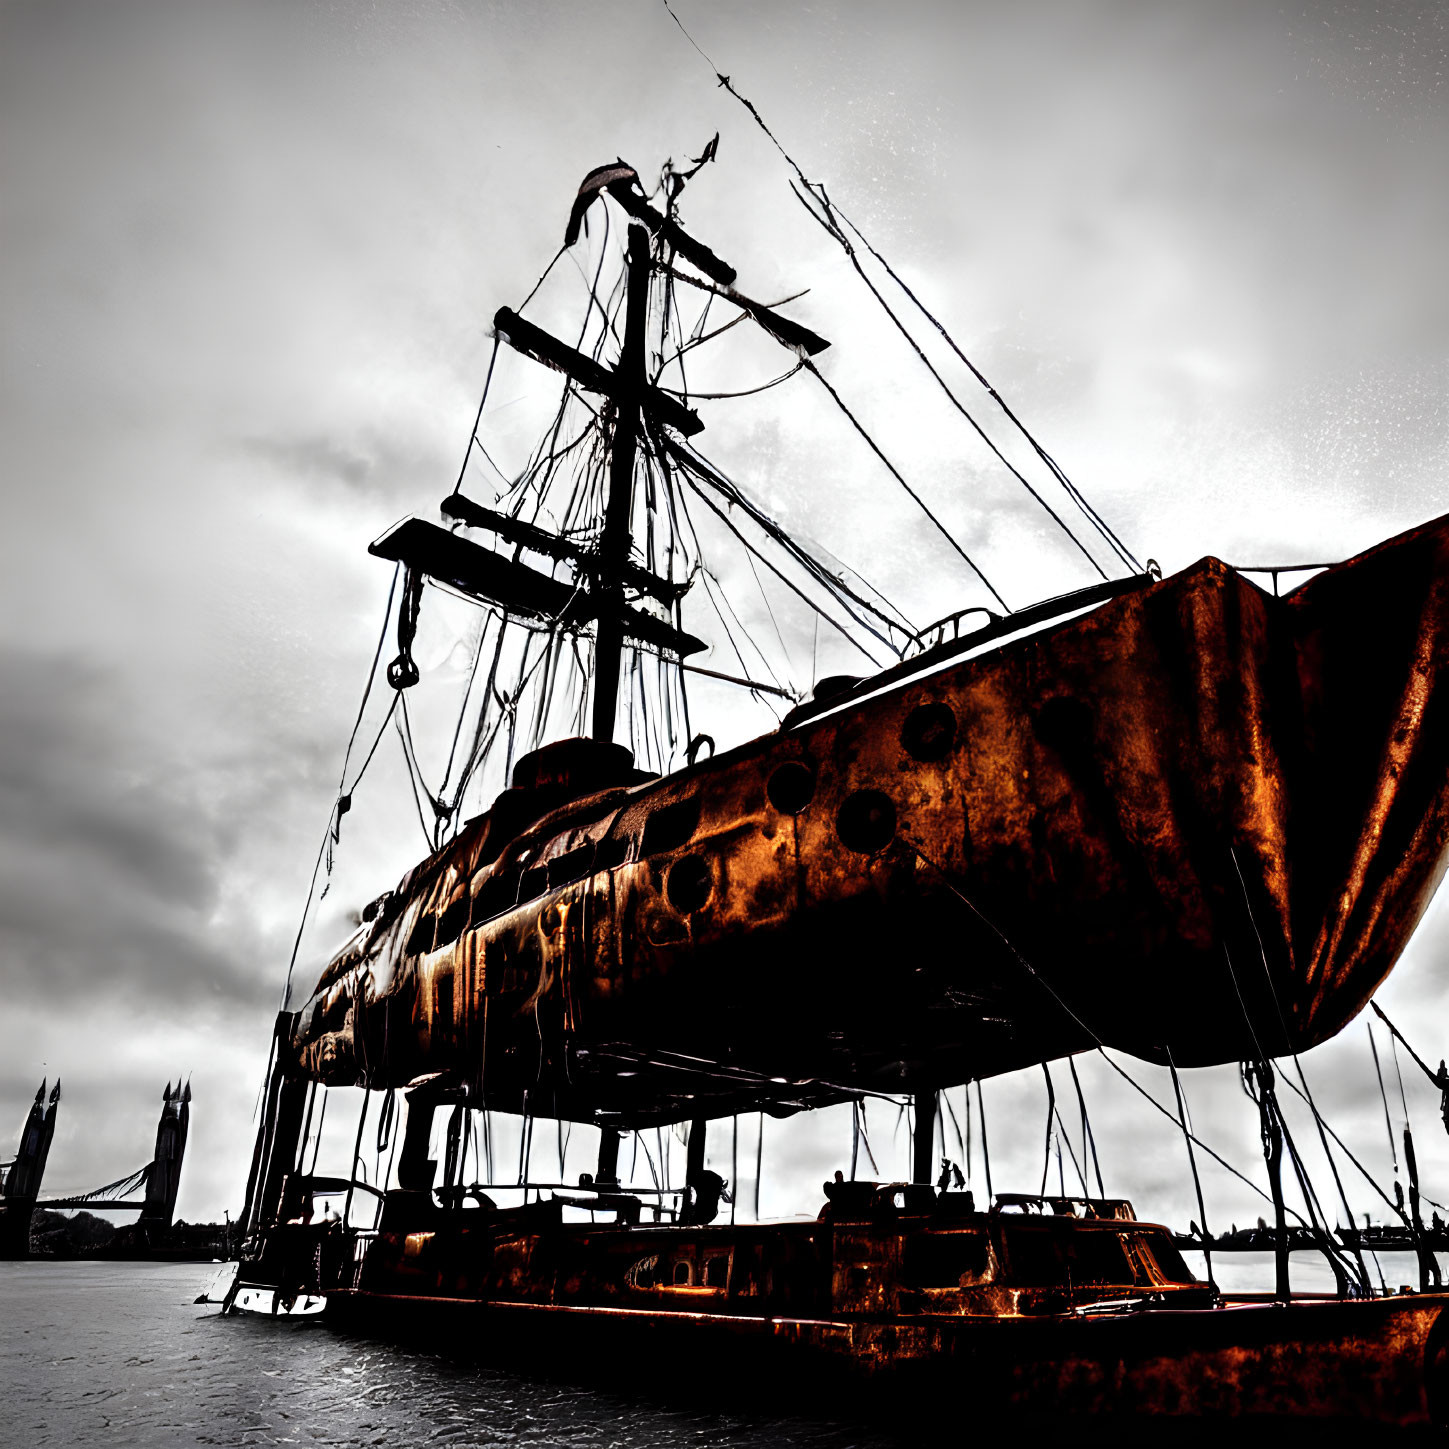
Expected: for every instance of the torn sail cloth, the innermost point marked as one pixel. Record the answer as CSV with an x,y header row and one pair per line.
x,y
599,179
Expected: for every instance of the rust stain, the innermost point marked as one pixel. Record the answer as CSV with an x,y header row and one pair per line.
x,y
1194,794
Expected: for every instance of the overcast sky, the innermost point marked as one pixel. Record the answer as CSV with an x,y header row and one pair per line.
x,y
249,257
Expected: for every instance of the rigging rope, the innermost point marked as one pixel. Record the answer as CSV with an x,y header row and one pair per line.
x,y
1088,1136
342,802
985,1147
696,467
1051,1113
1440,1079
1055,468
895,473
1101,1049
817,191
1183,1115
1383,1096
834,230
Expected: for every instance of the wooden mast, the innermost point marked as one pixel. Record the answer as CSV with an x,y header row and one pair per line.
x,y
615,543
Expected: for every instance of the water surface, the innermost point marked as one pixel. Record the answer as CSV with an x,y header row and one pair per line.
x,y
119,1355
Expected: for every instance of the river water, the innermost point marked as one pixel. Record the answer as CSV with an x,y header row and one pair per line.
x,y
119,1355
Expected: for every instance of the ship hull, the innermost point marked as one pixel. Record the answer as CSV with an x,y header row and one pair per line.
x,y
1364,1363
1018,1316
1198,822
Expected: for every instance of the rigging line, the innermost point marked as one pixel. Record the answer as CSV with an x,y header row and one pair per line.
x,y
333,816
607,321
920,502
405,729
607,327
414,774
553,457
717,595
985,1144
829,619
1366,1174
1001,936
1299,1168
970,1156
1384,1097
834,561
489,691
760,1164
774,622
547,452
1332,1250
1404,1101
1436,1077
696,470
1057,471
1192,1162
1102,1050
677,357
814,571
544,277
1088,1136
1051,463
728,295
506,480
484,747
790,161
1064,1136
1292,1051
1221,1161
691,460
945,387
1332,1163
377,740
547,455
463,706
724,81
1051,1113
951,1112
1263,957
1262,1057
865,1136
478,416
744,392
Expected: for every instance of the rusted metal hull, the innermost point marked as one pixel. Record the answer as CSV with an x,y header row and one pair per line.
x,y
1199,819
1014,1316
1372,1363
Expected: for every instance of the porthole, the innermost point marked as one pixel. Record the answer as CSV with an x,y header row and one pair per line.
x,y
690,884
791,787
867,821
929,732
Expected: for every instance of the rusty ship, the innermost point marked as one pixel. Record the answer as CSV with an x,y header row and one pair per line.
x,y
1194,819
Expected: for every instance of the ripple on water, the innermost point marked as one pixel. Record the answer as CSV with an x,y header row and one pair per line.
x,y
118,1354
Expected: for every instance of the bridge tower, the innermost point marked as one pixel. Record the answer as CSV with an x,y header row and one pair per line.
x,y
21,1184
164,1179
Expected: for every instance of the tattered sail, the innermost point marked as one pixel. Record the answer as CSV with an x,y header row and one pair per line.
x,y
1198,820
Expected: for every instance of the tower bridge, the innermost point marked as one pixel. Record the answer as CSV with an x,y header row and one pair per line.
x,y
150,1190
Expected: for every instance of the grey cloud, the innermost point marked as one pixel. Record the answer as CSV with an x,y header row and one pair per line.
x,y
110,873
251,258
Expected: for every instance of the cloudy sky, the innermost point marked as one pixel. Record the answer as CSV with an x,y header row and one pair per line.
x,y
249,258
